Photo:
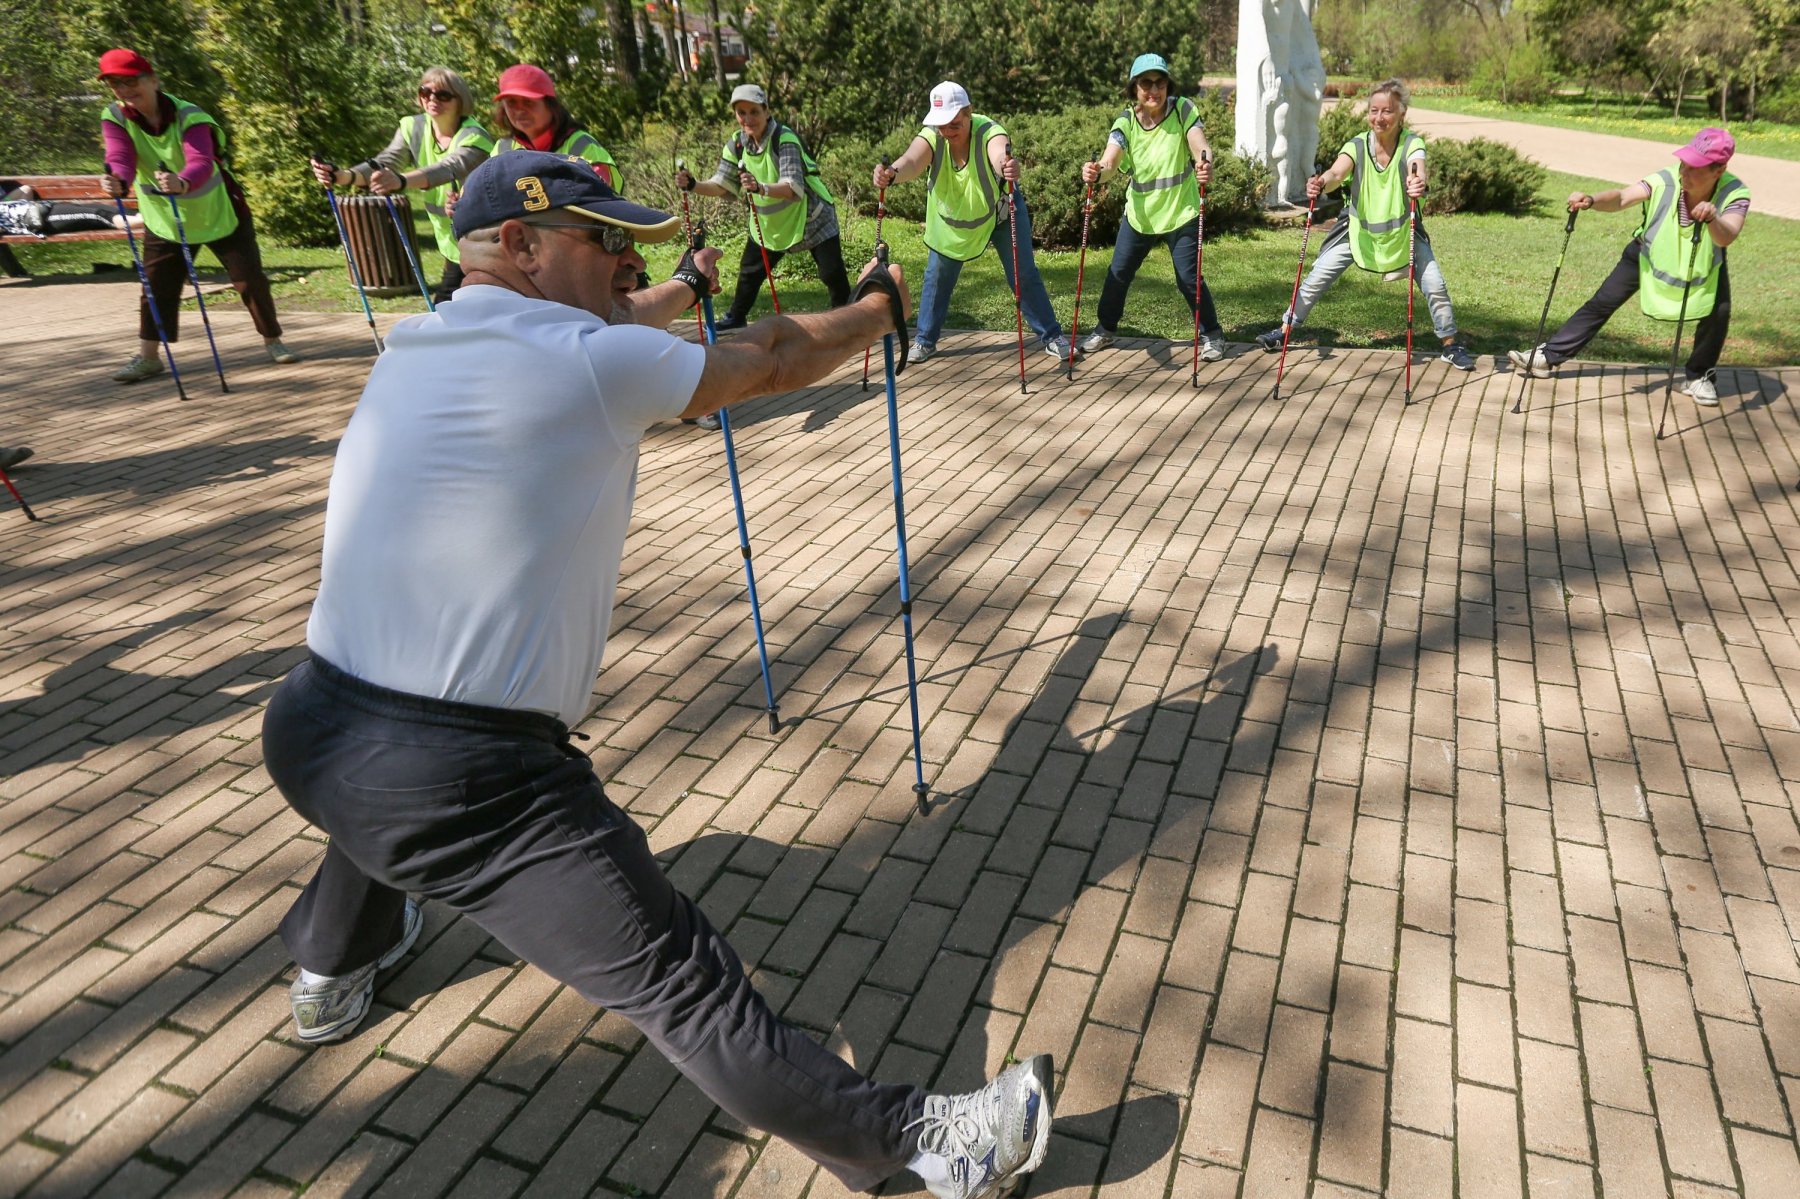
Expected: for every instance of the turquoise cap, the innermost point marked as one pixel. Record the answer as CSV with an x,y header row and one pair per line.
x,y
1143,64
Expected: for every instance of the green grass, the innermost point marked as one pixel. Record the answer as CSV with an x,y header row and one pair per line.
x,y
1612,115
1498,267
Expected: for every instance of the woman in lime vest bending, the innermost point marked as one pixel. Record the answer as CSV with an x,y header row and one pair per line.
x,y
1655,262
1386,169
530,117
966,158
431,152
160,143
768,160
1161,145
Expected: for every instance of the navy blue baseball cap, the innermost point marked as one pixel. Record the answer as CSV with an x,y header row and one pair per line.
x,y
523,183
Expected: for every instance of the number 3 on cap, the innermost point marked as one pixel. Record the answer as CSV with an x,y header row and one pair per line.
x,y
535,199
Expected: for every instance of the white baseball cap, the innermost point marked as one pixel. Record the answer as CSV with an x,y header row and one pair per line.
x,y
749,93
947,99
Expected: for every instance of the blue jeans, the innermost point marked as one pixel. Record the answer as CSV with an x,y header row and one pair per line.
x,y
1129,253
941,274
1335,258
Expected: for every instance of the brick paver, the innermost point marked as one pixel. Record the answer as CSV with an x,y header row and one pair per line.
x,y
1357,799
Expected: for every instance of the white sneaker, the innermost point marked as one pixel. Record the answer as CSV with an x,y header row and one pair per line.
x,y
1534,363
988,1140
329,1009
920,352
1058,348
1099,339
1704,391
1212,349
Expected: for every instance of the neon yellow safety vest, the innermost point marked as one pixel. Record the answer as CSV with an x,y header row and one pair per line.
x,y
964,201
1665,248
783,220
1163,194
206,212
421,143
579,144
1376,200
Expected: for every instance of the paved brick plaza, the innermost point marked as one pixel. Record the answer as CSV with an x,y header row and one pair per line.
x,y
1354,799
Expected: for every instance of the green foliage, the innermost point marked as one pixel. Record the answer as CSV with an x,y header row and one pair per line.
x,y
40,74
1480,175
1337,125
1513,70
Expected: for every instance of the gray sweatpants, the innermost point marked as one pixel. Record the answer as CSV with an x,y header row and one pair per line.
x,y
1335,258
495,814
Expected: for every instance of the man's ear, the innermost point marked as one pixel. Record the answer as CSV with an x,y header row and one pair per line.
x,y
519,242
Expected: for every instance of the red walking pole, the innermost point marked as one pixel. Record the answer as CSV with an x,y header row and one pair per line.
x,y
7,479
687,231
1412,245
1287,320
1199,275
768,271
1012,192
880,212
1087,212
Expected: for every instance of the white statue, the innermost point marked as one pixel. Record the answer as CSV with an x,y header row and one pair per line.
x,y
1280,85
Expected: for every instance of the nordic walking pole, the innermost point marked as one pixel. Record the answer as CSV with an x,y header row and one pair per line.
x,y
187,256
1530,355
7,479
1199,275
150,298
880,214
411,255
762,247
687,229
1087,211
1287,320
1675,351
1412,246
1012,196
912,674
344,241
695,241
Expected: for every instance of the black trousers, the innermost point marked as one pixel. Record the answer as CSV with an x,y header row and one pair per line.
x,y
1129,252
453,277
237,251
495,814
828,255
1621,285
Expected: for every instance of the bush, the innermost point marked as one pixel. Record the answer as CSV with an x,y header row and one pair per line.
x,y
1516,73
1781,103
1337,125
1480,175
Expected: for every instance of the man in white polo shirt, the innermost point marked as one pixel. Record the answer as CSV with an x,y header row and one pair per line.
x,y
473,533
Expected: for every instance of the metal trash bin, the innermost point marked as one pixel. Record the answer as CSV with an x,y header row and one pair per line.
x,y
376,245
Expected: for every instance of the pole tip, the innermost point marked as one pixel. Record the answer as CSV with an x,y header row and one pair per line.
x,y
774,721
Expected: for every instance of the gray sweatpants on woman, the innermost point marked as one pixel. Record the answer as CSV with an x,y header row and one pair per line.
x,y
495,814
1335,258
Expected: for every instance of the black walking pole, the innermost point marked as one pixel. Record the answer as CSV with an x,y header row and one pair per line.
x,y
150,298
187,256
406,243
344,241
1531,354
737,503
1687,284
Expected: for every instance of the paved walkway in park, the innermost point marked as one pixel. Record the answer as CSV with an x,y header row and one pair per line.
x,y
1355,798
1774,182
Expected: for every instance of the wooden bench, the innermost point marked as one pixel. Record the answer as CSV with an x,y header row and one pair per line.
x,y
57,187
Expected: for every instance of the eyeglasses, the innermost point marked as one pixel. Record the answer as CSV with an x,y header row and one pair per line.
x,y
612,239
427,93
1153,80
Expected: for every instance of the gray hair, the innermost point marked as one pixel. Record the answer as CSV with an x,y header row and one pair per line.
x,y
444,79
1395,88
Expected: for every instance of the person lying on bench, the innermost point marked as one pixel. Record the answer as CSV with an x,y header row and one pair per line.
x,y
22,214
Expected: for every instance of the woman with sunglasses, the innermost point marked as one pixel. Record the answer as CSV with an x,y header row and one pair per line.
x,y
1160,145
432,152
530,117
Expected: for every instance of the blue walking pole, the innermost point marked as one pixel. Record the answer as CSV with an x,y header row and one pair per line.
x,y
344,241
912,673
150,298
406,244
737,503
187,256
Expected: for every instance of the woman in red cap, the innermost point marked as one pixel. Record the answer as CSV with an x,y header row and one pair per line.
x,y
432,151
165,146
532,118
1656,260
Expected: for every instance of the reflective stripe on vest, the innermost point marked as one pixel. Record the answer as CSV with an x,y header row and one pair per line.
x,y
579,144
964,204
206,212
1163,194
1377,203
783,219
1665,248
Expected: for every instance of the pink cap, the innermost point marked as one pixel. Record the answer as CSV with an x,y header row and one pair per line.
x,y
527,81
1710,147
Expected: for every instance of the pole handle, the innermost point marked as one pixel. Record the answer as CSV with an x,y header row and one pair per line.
x,y
1569,226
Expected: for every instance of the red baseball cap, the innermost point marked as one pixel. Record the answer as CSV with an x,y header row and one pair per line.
x,y
1710,147
124,62
527,81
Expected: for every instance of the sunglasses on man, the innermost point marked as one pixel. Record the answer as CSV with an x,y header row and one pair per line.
x,y
612,239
